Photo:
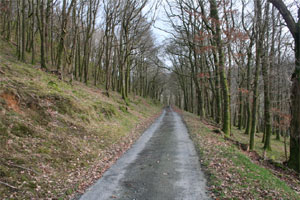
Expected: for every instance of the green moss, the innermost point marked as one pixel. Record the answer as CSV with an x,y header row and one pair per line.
x,y
79,93
21,130
109,111
123,109
62,104
84,118
3,128
2,102
257,173
43,150
277,154
31,185
4,171
69,191
53,85
17,160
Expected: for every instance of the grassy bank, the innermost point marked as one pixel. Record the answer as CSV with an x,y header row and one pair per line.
x,y
231,172
57,138
277,153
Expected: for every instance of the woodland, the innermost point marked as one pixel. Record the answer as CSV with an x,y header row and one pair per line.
x,y
235,63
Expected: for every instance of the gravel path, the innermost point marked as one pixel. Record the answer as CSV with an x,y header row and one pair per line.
x,y
161,165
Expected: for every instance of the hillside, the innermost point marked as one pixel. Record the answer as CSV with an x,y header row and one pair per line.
x,y
57,138
234,173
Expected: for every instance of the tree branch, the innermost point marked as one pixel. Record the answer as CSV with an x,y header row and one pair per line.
x,y
287,16
8,185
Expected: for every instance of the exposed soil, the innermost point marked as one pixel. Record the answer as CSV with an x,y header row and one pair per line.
x,y
11,101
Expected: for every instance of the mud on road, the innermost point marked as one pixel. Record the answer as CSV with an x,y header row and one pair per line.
x,y
161,165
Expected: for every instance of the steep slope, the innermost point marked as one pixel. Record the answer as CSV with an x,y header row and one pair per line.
x,y
57,138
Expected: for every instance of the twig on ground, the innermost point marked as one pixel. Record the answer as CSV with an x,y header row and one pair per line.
x,y
8,185
18,166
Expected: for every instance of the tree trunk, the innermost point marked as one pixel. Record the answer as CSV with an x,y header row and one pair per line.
x,y
217,106
23,31
240,113
221,67
259,45
294,161
41,26
265,73
32,34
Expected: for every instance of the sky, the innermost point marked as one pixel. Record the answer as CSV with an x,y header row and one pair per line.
x,y
159,24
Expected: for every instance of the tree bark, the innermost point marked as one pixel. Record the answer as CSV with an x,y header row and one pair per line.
x,y
265,73
221,67
259,44
41,27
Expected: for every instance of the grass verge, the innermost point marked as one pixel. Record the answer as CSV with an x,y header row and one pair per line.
x,y
277,153
231,173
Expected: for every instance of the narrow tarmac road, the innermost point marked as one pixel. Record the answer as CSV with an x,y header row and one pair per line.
x,y
161,165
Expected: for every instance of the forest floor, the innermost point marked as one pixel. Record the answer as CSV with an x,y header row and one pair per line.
x,y
237,174
56,138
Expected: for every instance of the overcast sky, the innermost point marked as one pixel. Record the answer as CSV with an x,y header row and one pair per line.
x,y
160,35
159,25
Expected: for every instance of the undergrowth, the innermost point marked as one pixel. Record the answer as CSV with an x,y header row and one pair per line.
x,y
53,135
231,173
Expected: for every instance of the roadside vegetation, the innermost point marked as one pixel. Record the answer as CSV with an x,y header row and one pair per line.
x,y
57,138
237,174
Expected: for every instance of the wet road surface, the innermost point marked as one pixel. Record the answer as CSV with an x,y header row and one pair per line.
x,y
161,165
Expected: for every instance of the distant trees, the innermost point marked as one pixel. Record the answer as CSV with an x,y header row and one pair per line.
x,y
97,42
231,59
65,15
201,34
294,28
237,59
